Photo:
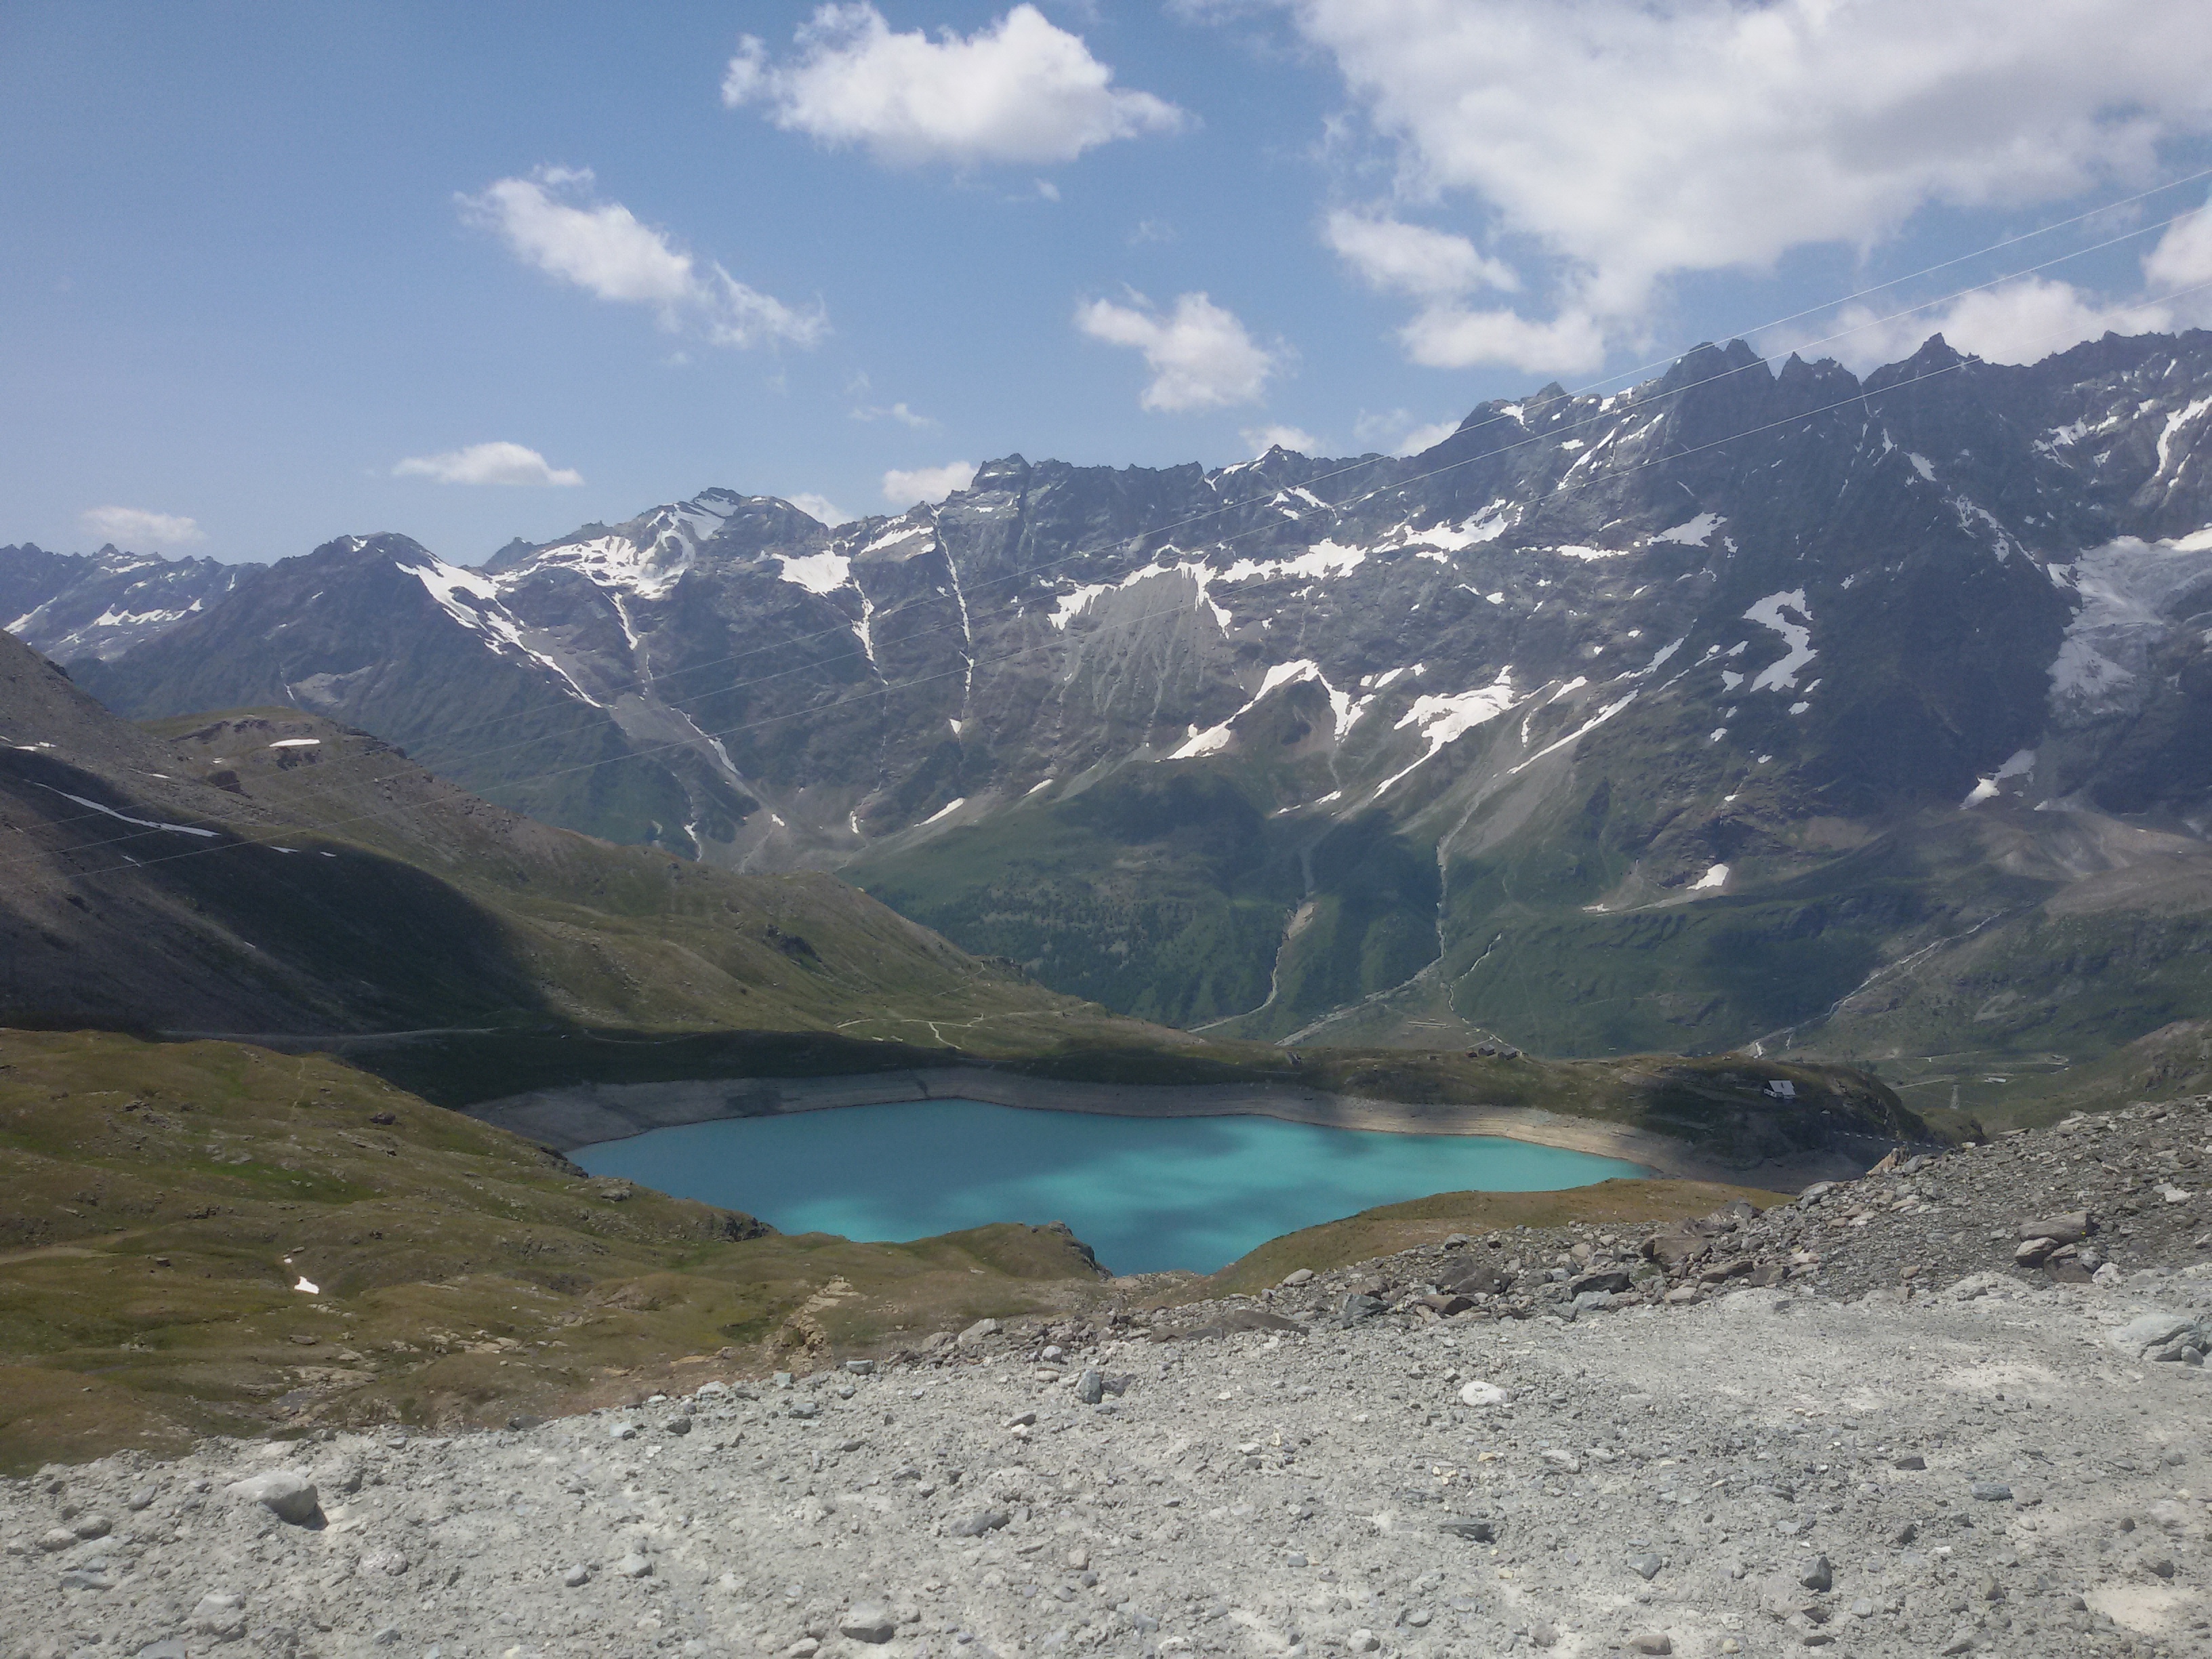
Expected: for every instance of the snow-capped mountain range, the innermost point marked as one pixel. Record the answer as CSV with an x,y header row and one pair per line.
x,y
1266,744
72,606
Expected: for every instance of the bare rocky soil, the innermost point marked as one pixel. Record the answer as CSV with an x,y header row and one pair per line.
x,y
1903,1428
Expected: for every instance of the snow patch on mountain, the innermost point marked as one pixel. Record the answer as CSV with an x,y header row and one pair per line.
x,y
900,530
1442,720
2103,665
1198,574
1068,606
1989,789
818,573
1797,635
472,600
616,562
1695,532
1215,739
2174,422
1488,525
1574,737
1322,560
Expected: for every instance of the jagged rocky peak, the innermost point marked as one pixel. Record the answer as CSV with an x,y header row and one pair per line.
x,y
645,556
1008,474
517,551
77,606
381,544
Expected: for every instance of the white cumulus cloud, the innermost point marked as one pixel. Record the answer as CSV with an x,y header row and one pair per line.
x,y
927,484
898,412
497,463
2026,320
2021,322
1627,142
1021,91
1451,336
1400,432
1199,355
135,529
1297,440
1425,437
820,506
1412,259
550,222
2183,257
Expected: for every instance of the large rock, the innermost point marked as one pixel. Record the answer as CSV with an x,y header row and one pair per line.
x,y
868,1622
220,1613
290,1497
1355,1307
1478,1279
1675,1249
2151,1330
1612,1281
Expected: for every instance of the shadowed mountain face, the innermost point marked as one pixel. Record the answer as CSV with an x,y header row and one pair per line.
x,y
1681,718
276,873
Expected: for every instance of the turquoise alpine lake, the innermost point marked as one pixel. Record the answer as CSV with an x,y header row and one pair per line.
x,y
1145,1192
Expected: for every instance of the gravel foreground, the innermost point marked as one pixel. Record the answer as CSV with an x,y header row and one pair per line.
x,y
1960,1408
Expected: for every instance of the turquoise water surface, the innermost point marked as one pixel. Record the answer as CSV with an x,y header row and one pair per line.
x,y
1146,1194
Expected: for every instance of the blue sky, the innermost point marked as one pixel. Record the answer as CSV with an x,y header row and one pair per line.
x,y
278,273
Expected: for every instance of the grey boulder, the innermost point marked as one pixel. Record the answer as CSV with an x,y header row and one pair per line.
x,y
291,1499
868,1622
975,1525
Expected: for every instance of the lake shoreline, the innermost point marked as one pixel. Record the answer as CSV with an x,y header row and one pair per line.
x,y
588,1115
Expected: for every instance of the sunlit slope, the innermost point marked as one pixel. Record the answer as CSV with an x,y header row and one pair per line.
x,y
160,1204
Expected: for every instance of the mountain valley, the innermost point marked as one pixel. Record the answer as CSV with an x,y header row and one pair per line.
x,y
1839,717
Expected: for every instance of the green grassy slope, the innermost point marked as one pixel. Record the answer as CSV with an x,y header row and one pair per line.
x,y
160,1202
1556,906
1165,893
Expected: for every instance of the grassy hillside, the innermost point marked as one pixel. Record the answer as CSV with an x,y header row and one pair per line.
x,y
1165,893
159,1203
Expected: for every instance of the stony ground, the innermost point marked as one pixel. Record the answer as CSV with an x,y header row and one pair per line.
x,y
1879,1420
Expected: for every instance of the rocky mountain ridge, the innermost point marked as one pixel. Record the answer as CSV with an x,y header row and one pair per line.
x,y
1695,711
69,607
